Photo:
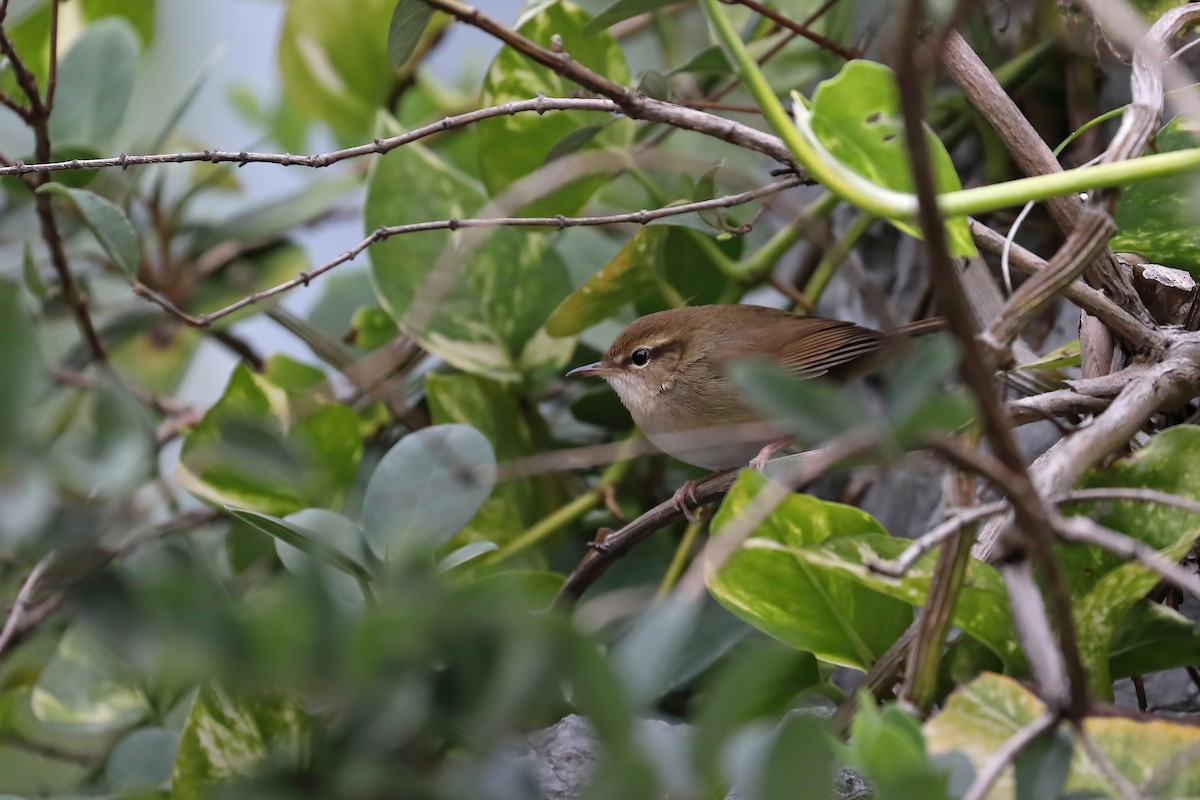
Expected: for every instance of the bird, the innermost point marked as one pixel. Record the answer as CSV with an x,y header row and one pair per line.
x,y
670,370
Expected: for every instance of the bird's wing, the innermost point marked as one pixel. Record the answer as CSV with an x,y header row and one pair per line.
x,y
820,346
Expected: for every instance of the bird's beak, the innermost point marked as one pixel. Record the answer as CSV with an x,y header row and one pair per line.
x,y
589,370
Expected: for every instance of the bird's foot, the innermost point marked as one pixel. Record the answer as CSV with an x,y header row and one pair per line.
x,y
759,462
680,501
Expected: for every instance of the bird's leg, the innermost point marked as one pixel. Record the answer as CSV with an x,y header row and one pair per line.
x,y
759,462
680,499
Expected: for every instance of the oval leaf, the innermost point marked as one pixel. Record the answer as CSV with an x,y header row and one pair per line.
x,y
833,617
85,687
95,81
108,223
409,19
426,489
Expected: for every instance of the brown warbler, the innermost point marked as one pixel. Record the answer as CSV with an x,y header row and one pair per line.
x,y
670,371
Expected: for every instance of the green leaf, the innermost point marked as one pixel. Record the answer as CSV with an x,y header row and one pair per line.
x,y
372,327
483,324
856,116
29,273
30,36
84,687
243,454
291,375
1042,767
409,20
573,142
251,272
814,409
227,738
138,13
325,536
334,62
20,365
1065,356
108,223
426,489
1158,218
982,608
495,410
512,147
142,760
978,718
621,10
1152,638
466,554
831,616
95,82
629,275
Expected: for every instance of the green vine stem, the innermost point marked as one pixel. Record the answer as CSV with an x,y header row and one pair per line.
x,y
900,206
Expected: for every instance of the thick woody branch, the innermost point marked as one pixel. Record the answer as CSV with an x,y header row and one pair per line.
x,y
1033,156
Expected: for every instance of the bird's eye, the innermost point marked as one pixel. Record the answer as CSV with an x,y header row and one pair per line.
x,y
640,357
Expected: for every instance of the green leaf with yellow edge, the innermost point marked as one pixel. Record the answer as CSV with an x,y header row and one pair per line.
x,y
84,687
1065,356
835,618
491,320
626,277
267,449
334,62
495,410
856,116
1159,219
512,147
227,737
978,718
982,608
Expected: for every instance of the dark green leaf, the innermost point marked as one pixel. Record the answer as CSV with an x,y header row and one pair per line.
x,y
328,547
29,272
465,554
800,761
573,142
654,84
409,19
1158,219
644,658
856,116
710,59
1042,767
109,224
426,489
142,760
95,82
706,189
1152,638
621,10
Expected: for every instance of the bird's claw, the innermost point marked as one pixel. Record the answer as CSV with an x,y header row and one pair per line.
x,y
680,502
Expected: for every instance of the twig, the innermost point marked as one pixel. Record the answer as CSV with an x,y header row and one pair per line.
x,y
800,29
1008,752
22,602
1082,530
899,566
635,217
1069,686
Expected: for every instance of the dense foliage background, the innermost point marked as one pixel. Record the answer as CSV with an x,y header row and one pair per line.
x,y
294,500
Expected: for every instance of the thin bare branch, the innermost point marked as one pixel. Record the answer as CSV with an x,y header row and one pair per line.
x,y
560,222
1007,754
1082,530
24,596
